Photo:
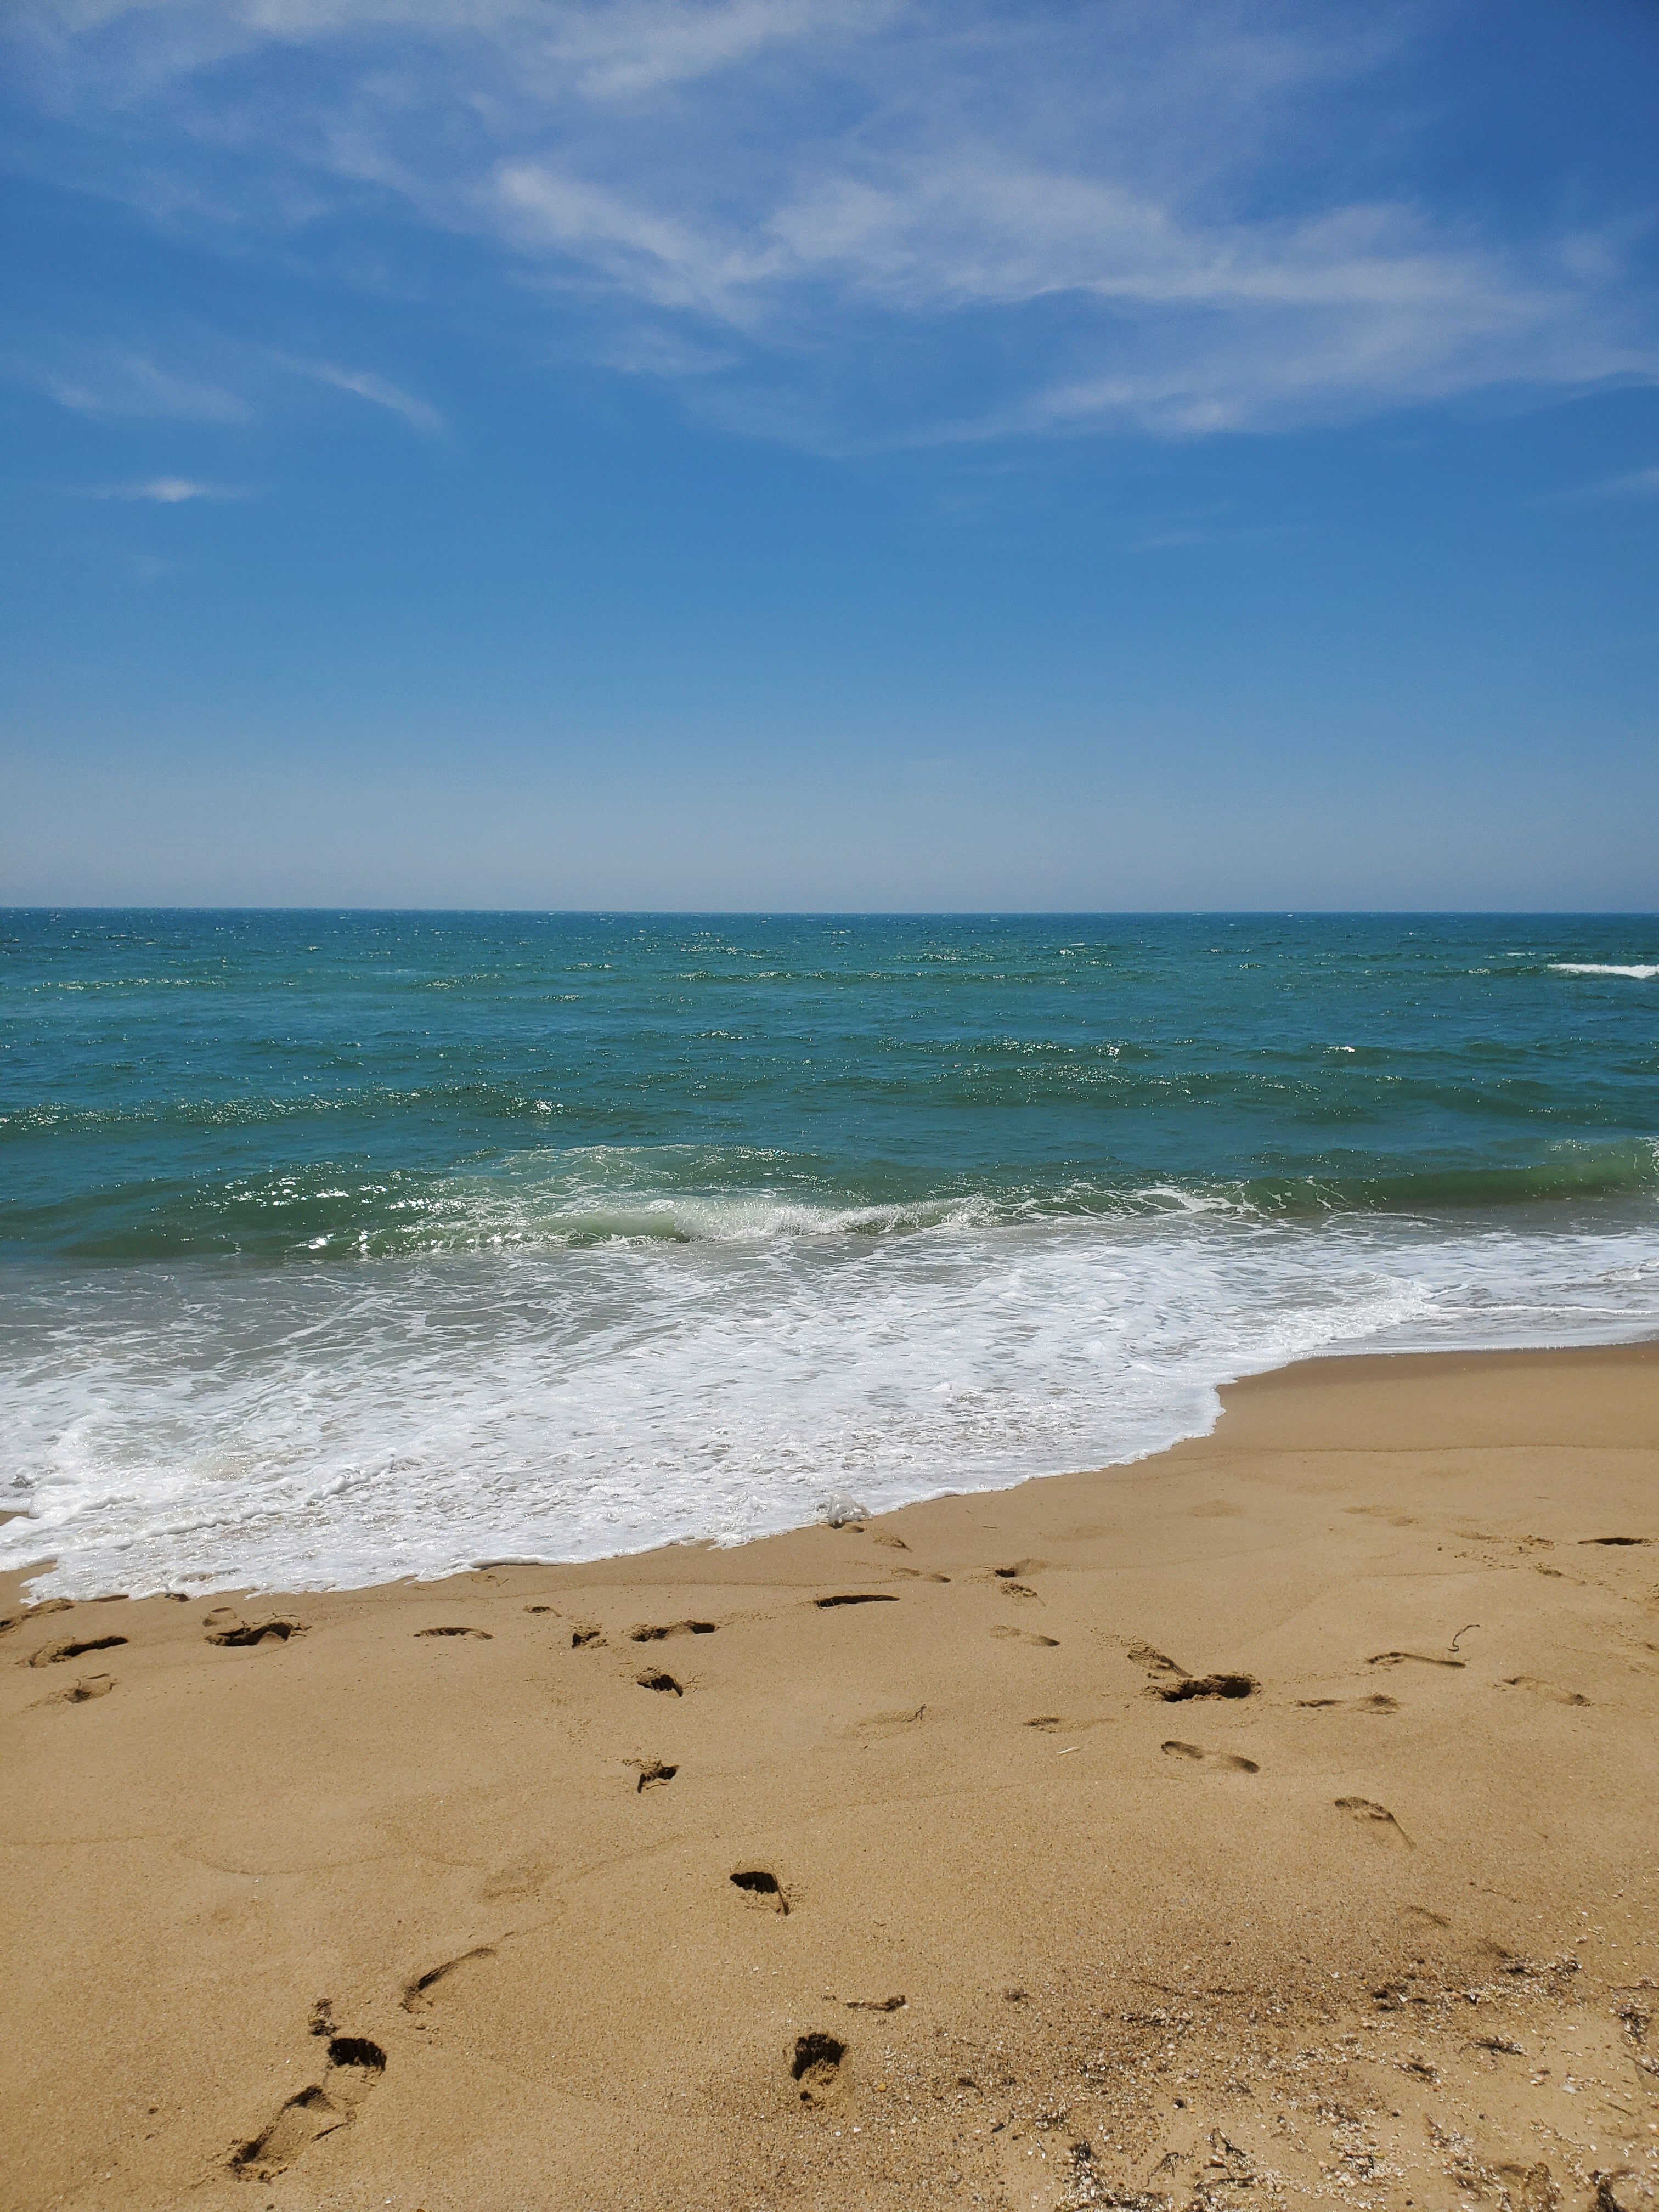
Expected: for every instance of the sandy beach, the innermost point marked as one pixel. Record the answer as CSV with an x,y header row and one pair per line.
x,y
1273,1818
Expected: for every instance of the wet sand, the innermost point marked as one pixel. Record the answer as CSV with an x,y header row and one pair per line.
x,y
1274,1819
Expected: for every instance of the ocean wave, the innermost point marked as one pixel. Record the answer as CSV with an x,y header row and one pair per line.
x,y
1640,973
551,1199
215,1426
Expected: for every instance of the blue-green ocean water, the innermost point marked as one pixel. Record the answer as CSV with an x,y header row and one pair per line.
x,y
341,1246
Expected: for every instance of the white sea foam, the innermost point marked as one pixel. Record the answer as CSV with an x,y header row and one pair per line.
x,y
339,1423
1643,973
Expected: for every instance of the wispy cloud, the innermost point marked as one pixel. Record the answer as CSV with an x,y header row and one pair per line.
x,y
1636,485
364,384
162,491
1643,483
856,222
115,381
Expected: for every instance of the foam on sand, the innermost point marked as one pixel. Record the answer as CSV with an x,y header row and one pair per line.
x,y
341,1424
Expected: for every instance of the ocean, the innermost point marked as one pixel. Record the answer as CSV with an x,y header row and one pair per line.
x,y
340,1247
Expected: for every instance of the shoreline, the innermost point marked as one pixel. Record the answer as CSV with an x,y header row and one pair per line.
x,y
13,1581
1266,1816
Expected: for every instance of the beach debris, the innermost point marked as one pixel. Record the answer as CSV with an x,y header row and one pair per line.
x,y
841,1512
1419,1658
762,1888
857,1597
814,2066
53,1655
876,2004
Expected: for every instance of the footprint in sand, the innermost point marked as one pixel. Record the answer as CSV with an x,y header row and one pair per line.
x,y
82,1692
354,2066
225,1626
1378,1702
762,1888
1170,1681
1206,1686
656,1678
653,1773
856,1597
645,1633
919,1575
1376,1817
815,2067
53,1655
1157,1664
1543,1690
1228,1762
895,1723
520,1877
479,1635
1026,1635
585,1635
417,1994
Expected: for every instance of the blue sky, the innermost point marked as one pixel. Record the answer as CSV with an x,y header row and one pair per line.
x,y
831,453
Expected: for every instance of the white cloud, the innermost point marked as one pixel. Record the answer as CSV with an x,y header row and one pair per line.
x,y
863,221
164,491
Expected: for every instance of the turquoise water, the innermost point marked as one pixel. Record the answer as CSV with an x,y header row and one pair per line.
x,y
337,1246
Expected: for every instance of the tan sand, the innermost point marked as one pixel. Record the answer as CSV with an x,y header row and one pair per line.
x,y
435,1904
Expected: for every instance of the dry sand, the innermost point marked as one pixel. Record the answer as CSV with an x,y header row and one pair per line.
x,y
687,1881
